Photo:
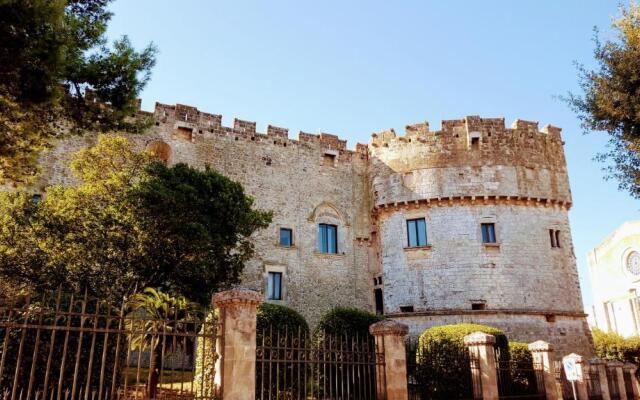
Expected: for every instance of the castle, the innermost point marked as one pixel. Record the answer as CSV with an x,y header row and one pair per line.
x,y
465,224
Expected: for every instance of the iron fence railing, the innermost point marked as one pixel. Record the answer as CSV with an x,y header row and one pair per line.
x,y
432,377
628,384
519,379
592,377
300,365
68,347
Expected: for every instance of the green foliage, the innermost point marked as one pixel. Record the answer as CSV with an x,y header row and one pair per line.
x,y
442,360
347,321
275,318
611,346
610,101
56,66
520,354
130,223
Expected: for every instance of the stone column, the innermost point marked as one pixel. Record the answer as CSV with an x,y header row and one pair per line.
x,y
389,336
600,367
542,353
236,363
631,369
618,378
481,345
581,383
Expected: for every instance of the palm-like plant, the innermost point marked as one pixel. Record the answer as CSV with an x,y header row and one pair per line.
x,y
158,317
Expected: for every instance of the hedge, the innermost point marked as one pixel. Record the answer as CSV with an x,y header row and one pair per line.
x,y
273,319
442,360
348,321
611,346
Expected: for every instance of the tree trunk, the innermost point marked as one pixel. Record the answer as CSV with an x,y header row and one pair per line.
x,y
155,364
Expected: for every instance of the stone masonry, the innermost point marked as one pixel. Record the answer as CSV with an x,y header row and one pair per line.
x,y
472,171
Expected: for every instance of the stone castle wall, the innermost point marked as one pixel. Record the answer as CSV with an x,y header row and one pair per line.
x,y
473,170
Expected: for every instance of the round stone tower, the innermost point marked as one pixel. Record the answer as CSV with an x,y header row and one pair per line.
x,y
472,225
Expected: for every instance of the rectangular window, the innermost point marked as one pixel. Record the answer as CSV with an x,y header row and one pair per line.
x,y
328,238
488,233
286,237
417,232
274,286
557,238
552,237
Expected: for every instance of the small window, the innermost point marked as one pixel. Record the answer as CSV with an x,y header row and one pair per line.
x,y
488,233
379,301
552,237
286,237
416,232
274,286
557,238
406,308
475,143
328,238
329,160
478,306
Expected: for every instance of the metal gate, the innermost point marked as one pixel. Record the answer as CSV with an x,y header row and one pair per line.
x,y
519,379
70,347
299,365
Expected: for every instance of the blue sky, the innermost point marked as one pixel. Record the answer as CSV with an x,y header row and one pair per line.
x,y
355,67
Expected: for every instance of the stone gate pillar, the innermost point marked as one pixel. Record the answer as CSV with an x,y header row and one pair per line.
x,y
631,369
618,378
481,344
599,365
389,336
236,363
542,353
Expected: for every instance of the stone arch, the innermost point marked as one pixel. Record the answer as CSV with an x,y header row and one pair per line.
x,y
160,150
332,208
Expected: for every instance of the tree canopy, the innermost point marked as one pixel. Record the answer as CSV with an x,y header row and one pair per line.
x,y
57,67
611,99
131,223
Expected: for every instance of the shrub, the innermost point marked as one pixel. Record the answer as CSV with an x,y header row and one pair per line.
x,y
520,371
274,319
611,346
347,321
442,360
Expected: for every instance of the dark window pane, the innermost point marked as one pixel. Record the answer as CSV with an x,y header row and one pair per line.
x,y
552,238
286,237
274,286
422,232
488,233
557,238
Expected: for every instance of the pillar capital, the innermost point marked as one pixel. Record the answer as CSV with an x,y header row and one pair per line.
x,y
615,364
388,327
479,339
596,361
539,346
237,296
629,366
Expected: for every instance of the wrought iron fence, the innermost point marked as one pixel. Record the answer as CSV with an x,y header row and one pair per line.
x,y
433,378
68,347
522,379
299,365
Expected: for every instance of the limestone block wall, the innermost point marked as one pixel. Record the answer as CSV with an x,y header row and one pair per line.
x,y
294,178
522,271
567,334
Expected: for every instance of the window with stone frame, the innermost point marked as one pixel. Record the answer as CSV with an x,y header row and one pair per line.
x,y
274,285
286,237
416,232
488,230
328,238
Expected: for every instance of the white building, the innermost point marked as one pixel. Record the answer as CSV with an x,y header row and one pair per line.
x,y
614,269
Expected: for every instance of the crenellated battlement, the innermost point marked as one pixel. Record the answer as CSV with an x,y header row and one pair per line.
x,y
188,118
455,129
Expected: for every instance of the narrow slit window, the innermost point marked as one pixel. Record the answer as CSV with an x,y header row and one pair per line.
x,y
416,232
488,232
557,234
328,238
552,237
274,286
